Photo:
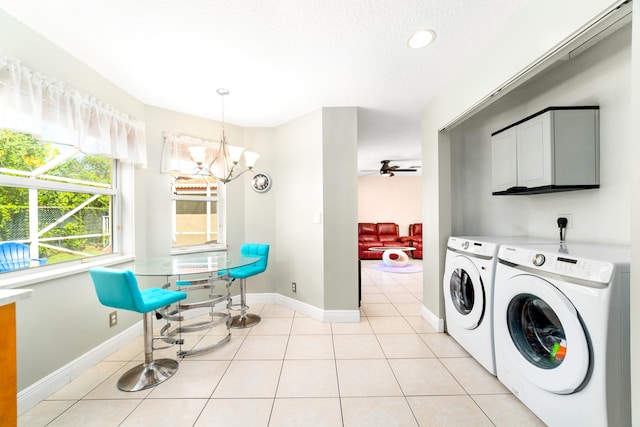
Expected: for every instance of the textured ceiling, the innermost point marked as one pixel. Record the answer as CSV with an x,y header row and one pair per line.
x,y
279,59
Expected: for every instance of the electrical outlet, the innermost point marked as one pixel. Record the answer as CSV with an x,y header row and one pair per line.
x,y
113,319
294,287
569,219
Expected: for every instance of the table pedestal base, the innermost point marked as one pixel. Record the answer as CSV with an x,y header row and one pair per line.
x,y
248,320
218,304
401,258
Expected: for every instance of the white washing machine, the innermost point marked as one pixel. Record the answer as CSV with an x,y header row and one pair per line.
x,y
561,320
468,292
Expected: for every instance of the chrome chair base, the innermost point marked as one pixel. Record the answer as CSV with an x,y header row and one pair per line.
x,y
147,375
242,321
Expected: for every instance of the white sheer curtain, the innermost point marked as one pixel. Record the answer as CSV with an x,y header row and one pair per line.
x,y
176,157
50,109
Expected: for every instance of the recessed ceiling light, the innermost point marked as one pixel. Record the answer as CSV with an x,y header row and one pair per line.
x,y
420,39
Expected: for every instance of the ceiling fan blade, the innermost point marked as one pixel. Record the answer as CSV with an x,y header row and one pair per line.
x,y
387,170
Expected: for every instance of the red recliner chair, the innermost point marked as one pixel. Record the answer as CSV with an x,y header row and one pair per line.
x,y
415,238
389,235
368,238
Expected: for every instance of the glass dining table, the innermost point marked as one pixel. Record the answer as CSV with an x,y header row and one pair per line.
x,y
195,263
203,271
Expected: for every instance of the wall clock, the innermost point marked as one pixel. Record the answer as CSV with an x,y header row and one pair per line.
x,y
261,182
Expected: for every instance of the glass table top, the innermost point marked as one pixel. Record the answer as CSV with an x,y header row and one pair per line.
x,y
196,263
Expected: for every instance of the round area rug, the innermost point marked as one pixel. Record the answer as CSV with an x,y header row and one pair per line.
x,y
409,268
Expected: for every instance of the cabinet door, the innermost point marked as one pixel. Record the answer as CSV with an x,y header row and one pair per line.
x,y
534,152
503,160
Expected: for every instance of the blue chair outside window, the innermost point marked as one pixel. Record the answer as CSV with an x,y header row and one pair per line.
x,y
119,289
15,256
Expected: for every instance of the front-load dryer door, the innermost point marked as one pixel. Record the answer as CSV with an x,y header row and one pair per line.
x,y
464,293
548,345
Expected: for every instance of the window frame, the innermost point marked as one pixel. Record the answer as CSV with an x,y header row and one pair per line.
x,y
122,227
219,199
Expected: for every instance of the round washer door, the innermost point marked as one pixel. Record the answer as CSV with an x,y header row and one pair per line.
x,y
549,346
464,293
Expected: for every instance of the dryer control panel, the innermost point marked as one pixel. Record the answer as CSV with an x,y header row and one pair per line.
x,y
558,263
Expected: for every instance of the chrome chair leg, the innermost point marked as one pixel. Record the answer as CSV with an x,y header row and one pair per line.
x,y
244,319
151,372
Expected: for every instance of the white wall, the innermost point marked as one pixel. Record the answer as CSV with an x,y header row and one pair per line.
x,y
600,76
397,199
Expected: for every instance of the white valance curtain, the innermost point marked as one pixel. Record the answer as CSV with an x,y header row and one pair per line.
x,y
53,111
176,157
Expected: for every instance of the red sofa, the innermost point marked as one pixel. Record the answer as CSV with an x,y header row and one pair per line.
x,y
414,239
373,235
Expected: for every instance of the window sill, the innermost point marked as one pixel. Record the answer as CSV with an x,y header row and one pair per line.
x,y
18,279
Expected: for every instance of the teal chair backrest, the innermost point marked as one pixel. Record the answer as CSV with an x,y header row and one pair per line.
x,y
117,289
252,250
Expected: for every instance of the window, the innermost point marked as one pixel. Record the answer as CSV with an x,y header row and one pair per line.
x,y
197,212
198,198
55,199
66,169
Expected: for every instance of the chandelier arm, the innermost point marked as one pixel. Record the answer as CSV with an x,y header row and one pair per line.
x,y
243,172
226,160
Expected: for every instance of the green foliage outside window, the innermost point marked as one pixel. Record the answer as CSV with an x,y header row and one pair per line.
x,y
76,219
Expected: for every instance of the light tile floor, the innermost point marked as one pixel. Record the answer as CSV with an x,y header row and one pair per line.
x,y
391,369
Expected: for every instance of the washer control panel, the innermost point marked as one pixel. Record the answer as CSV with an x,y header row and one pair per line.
x,y
558,263
472,247
538,260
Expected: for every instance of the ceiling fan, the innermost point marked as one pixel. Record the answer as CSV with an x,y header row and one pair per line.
x,y
387,170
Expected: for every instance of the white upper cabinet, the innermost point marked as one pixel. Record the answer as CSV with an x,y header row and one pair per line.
x,y
503,153
556,149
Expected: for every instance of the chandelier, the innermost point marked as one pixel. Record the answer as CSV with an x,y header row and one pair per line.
x,y
225,165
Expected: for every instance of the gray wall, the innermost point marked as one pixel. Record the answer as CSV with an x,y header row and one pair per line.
x,y
317,179
507,60
298,193
340,207
63,320
600,76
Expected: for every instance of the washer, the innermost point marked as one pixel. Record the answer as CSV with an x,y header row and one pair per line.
x,y
468,292
561,319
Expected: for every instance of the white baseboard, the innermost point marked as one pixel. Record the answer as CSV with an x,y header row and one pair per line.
x,y
36,392
432,319
343,316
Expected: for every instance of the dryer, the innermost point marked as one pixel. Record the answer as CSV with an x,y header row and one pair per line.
x,y
561,319
468,292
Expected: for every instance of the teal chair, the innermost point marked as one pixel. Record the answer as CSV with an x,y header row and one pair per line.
x,y
119,289
254,250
